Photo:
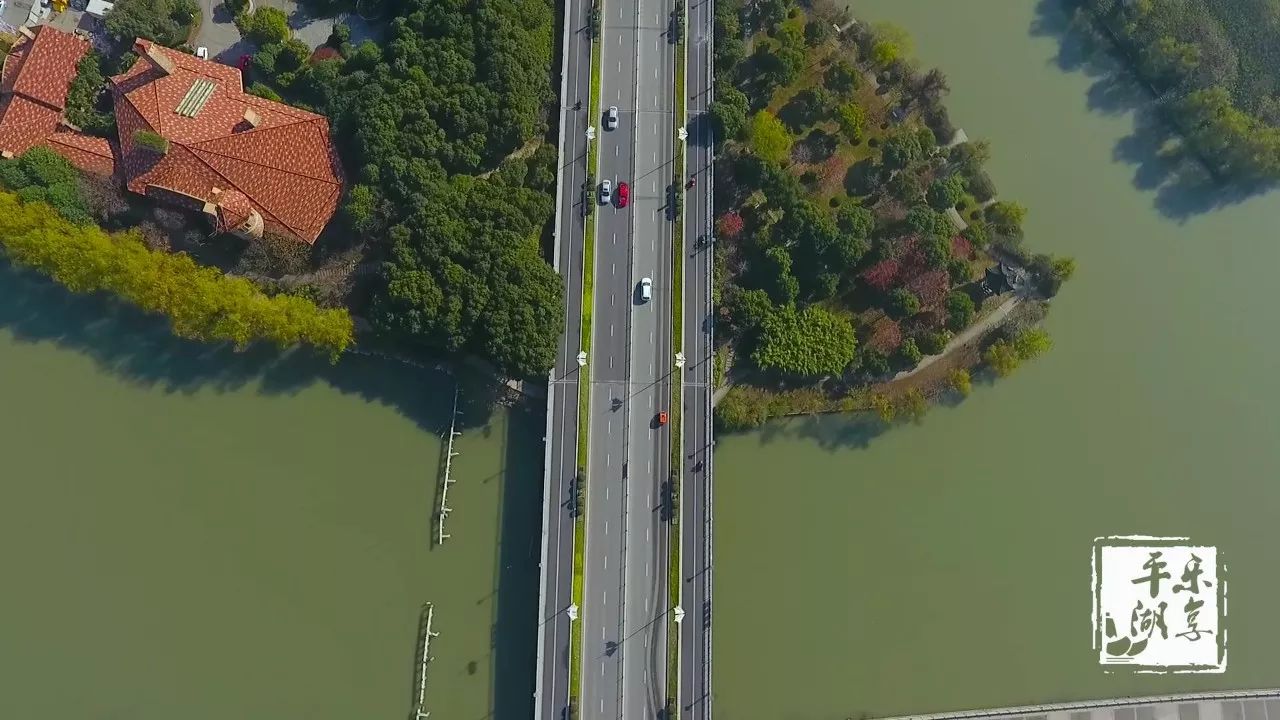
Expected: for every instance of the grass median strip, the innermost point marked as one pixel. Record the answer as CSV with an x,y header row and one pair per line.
x,y
677,335
584,388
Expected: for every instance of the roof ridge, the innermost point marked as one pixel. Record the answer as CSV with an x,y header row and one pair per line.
x,y
198,146
190,149
233,185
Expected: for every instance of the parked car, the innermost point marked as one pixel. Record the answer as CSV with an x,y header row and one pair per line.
x,y
611,119
624,194
202,52
606,192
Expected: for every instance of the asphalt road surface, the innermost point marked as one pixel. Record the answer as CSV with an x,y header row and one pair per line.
x,y
652,358
552,675
695,514
623,668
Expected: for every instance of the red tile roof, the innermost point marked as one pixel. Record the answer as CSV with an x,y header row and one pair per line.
x,y
282,162
41,68
33,95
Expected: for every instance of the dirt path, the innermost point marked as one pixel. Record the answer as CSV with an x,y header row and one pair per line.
x,y
994,318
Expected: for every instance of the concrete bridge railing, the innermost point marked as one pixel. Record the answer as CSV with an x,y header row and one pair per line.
x,y
1021,710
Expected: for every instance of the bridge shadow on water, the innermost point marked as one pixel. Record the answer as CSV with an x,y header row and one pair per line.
x,y
1181,183
135,347
516,574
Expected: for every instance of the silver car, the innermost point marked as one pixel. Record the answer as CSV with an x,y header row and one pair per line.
x,y
606,192
611,120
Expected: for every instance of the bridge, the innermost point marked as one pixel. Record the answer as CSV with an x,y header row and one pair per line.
x,y
622,631
1261,704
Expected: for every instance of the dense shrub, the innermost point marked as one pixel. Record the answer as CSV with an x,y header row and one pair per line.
x,y
83,96
265,25
42,175
808,342
201,303
167,22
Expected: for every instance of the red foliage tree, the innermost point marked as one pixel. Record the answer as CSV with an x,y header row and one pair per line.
x,y
730,224
961,248
886,336
930,288
882,275
924,321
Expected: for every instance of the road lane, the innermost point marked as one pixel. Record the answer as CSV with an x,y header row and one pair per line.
x,y
695,510
603,647
644,670
552,677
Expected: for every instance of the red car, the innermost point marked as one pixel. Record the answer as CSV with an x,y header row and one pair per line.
x,y
624,194
244,62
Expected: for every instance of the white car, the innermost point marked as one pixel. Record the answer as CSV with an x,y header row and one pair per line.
x,y
646,289
202,52
611,120
606,192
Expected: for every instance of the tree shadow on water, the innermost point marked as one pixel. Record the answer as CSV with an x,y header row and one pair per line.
x,y
1181,183
831,431
140,349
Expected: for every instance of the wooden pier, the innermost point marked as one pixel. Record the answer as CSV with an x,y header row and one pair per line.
x,y
443,511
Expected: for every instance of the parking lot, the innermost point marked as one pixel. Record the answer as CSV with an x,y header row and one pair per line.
x,y
217,30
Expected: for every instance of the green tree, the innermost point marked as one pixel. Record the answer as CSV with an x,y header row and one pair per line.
x,y
903,302
926,221
912,405
264,92
910,353
82,98
856,220
783,286
977,234
166,21
729,112
807,342
841,77
265,25
818,31
960,381
1007,217
906,186
769,138
901,150
1032,343
749,308
848,250
945,192
1002,357
201,303
741,409
960,310
853,121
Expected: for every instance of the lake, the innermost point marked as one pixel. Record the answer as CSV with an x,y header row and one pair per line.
x,y
196,533
946,565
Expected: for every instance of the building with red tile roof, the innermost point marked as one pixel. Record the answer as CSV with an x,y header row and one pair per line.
x,y
252,164
189,136
33,99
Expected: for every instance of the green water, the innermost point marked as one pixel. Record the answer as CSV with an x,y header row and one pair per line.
x,y
197,534
946,566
